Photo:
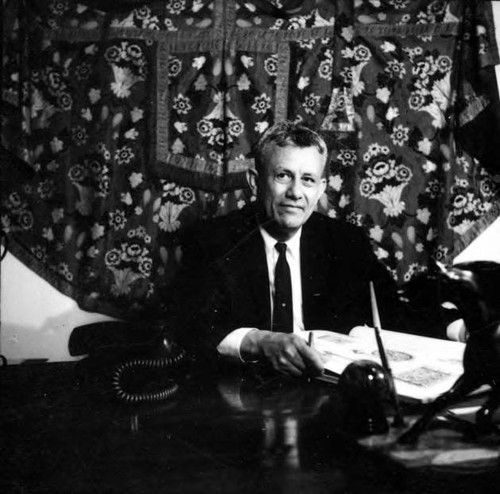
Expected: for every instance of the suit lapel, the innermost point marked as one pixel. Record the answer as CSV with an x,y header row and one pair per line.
x,y
259,283
249,260
314,260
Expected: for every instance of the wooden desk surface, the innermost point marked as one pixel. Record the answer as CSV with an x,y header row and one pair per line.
x,y
219,433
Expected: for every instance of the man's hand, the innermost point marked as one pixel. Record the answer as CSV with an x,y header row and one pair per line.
x,y
287,353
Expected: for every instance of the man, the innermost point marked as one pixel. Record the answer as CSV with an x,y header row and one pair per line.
x,y
232,280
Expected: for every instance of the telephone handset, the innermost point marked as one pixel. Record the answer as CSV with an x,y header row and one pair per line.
x,y
131,358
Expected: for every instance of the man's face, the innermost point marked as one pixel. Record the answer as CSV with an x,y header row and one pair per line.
x,y
290,187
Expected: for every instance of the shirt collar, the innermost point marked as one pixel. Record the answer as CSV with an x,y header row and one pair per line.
x,y
293,244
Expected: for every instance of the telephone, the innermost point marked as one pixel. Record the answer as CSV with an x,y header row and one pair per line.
x,y
130,360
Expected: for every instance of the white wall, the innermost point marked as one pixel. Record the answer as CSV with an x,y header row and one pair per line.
x,y
36,319
484,248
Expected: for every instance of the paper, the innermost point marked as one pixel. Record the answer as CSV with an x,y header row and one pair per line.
x,y
422,367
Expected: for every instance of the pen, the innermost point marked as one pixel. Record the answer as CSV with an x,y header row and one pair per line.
x,y
310,340
398,418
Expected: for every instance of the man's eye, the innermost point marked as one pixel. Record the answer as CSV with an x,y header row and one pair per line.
x,y
282,177
308,181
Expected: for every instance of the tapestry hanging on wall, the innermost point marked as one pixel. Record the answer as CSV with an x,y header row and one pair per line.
x,y
123,123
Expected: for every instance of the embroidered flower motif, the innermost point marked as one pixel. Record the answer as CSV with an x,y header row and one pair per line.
x,y
175,7
347,75
361,53
325,69
58,7
124,80
56,145
124,155
76,173
310,103
243,83
376,233
142,13
94,95
417,100
145,266
395,69
204,127
26,220
199,62
112,257
399,135
247,61
46,189
79,135
385,177
217,137
168,216
399,4
297,23
261,127
63,269
261,103
64,101
335,182
117,219
136,114
174,66
423,215
271,65
434,188
82,71
182,104
347,157
235,127
303,83
169,24
383,94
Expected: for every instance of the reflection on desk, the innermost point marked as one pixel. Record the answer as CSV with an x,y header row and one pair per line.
x,y
223,432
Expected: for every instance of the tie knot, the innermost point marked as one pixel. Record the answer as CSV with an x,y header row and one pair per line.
x,y
281,248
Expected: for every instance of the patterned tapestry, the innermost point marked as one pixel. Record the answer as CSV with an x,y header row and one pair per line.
x,y
122,122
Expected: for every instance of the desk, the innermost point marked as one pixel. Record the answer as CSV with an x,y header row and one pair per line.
x,y
230,433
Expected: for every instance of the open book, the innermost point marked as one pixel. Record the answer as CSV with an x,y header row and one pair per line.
x,y
422,367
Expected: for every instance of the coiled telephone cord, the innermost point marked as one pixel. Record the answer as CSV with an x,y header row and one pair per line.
x,y
150,364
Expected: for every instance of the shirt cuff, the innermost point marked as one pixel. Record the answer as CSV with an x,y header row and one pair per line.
x,y
230,345
457,331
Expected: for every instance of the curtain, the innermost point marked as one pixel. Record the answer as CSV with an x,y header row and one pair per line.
x,y
124,122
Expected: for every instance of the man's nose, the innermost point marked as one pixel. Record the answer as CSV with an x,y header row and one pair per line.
x,y
294,189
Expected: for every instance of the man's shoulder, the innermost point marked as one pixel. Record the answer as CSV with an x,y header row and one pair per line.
x,y
223,230
232,224
322,224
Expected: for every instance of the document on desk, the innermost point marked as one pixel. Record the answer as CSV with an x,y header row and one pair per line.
x,y
422,367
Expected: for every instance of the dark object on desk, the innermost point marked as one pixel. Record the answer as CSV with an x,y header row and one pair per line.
x,y
473,288
366,390
130,359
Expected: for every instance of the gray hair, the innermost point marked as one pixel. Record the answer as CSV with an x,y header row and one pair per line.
x,y
283,134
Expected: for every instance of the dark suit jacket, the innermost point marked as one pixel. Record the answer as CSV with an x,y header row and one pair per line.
x,y
224,283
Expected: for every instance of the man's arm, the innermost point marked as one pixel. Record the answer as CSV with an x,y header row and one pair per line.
x,y
286,353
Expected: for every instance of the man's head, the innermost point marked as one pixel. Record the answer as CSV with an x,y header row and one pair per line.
x,y
288,177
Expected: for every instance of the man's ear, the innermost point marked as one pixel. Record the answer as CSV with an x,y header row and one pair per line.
x,y
322,187
252,179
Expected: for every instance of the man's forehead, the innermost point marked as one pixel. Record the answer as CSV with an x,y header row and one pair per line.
x,y
302,159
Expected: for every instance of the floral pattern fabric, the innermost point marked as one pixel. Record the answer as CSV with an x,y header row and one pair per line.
x,y
121,126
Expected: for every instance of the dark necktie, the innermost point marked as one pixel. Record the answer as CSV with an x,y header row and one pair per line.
x,y
283,309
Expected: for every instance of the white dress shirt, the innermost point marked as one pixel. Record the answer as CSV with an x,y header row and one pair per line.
x,y
230,345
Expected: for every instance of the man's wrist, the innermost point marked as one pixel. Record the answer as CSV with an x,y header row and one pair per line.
x,y
251,345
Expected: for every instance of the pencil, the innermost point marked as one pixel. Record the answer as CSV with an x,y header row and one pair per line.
x,y
310,339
